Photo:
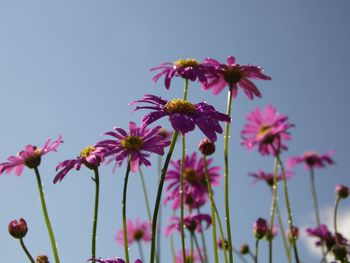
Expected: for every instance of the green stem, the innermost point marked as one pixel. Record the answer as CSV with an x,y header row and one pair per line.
x,y
285,243
204,243
94,226
335,219
182,210
256,250
139,245
159,195
197,246
273,206
290,217
126,246
221,233
145,195
160,213
226,174
185,89
26,250
172,248
315,203
46,215
215,245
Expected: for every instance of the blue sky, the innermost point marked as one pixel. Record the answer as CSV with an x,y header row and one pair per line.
x,y
72,67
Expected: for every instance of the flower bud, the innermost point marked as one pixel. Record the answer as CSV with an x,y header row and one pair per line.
x,y
18,229
295,234
244,249
221,243
165,133
260,228
342,191
339,252
206,147
42,259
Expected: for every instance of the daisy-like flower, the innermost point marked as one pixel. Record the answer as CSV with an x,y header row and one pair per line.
x,y
234,75
267,129
137,231
112,260
194,258
192,223
312,160
137,144
195,185
89,156
189,69
30,157
326,237
262,176
183,115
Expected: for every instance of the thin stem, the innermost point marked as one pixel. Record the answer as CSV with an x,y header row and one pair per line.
x,y
256,250
94,225
315,202
238,254
126,247
26,250
159,195
139,245
215,245
172,248
185,89
273,206
191,250
290,217
280,224
46,215
204,243
226,174
145,195
198,248
221,233
335,219
158,255
182,210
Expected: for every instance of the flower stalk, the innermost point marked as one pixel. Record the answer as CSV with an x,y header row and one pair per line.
x,y
126,246
96,179
26,250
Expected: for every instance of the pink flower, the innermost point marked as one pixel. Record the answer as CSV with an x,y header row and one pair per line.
x,y
30,157
312,160
268,177
192,223
195,186
267,129
234,75
137,144
89,156
137,231
112,260
189,69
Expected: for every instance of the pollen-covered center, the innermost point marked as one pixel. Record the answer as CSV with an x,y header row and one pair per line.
x,y
87,151
190,176
138,234
233,75
33,160
180,106
184,63
264,130
132,142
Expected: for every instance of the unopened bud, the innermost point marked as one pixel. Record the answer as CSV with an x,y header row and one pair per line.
x,y
18,229
295,234
342,191
206,147
244,249
260,228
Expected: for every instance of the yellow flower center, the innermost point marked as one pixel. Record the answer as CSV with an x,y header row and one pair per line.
x,y
180,106
132,142
233,75
190,175
183,63
264,130
87,151
34,160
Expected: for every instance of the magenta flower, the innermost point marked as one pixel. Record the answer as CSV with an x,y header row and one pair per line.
x,y
192,223
137,231
183,115
195,185
112,260
30,157
234,75
189,69
89,156
137,144
260,228
312,160
267,129
268,177
195,258
326,237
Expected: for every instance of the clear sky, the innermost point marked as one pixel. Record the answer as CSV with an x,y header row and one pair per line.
x,y
72,67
